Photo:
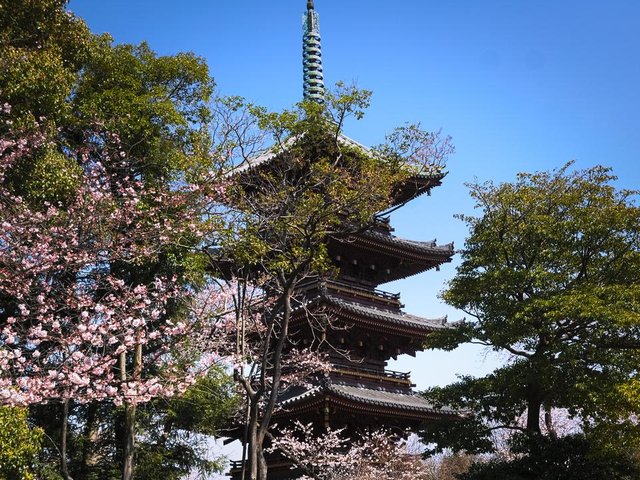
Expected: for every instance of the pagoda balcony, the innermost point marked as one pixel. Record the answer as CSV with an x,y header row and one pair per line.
x,y
351,291
371,375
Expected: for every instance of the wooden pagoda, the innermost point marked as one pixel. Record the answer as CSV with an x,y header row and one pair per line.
x,y
368,325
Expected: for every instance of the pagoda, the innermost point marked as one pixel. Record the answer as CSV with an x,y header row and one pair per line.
x,y
368,326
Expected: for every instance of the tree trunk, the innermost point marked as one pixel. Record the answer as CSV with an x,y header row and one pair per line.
x,y
130,419
253,452
262,466
548,423
129,441
63,440
260,426
533,415
91,435
245,440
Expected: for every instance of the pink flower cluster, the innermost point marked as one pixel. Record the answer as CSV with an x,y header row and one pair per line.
x,y
332,455
68,317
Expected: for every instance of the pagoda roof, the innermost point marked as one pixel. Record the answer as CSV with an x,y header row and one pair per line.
x,y
386,316
413,187
267,155
385,398
414,246
403,258
417,185
360,397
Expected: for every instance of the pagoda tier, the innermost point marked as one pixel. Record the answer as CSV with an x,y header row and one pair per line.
x,y
355,407
411,187
355,404
367,323
335,404
374,257
361,329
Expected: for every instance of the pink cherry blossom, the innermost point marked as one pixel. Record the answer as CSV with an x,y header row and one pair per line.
x,y
68,318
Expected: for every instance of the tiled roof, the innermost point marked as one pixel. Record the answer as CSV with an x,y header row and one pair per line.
x,y
270,153
406,257
292,399
367,396
397,317
385,398
413,245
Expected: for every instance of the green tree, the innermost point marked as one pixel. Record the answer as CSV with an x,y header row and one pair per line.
x,y
549,276
19,445
42,48
141,115
574,457
177,433
173,435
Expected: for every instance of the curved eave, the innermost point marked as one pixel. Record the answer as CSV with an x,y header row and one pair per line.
x,y
387,320
412,187
365,400
416,186
265,157
411,257
366,316
360,397
408,248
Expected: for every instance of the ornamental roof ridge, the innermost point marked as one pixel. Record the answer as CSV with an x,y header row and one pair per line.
x,y
431,245
301,396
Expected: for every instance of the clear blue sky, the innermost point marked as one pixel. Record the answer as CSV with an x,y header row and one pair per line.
x,y
519,85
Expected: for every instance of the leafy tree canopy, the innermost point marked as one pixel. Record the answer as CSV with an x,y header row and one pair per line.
x,y
142,121
549,276
574,457
19,444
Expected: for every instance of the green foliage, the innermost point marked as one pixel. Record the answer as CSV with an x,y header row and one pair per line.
x,y
206,407
569,458
42,48
124,99
175,434
141,116
19,445
317,186
549,276
173,437
52,177
156,105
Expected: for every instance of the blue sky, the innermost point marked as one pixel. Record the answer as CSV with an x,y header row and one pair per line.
x,y
520,85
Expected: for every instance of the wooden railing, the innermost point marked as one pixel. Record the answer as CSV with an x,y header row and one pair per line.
x,y
352,289
372,373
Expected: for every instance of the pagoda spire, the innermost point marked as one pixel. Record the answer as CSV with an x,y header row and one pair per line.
x,y
313,88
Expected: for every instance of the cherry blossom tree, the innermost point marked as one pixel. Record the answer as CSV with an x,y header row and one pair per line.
x,y
331,455
102,204
71,325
